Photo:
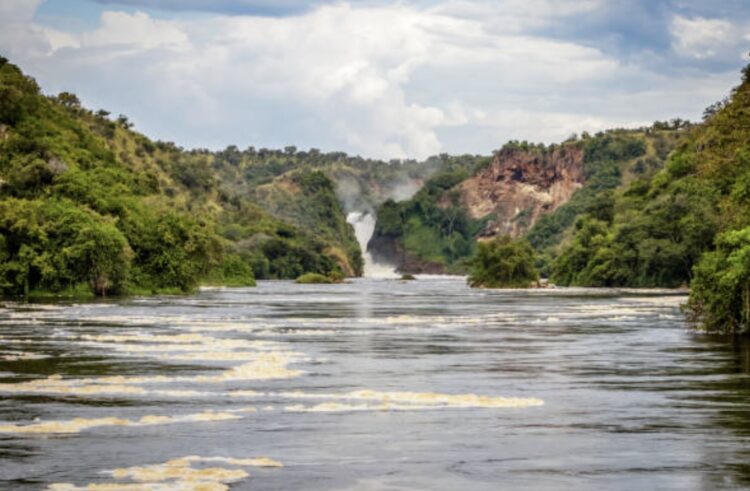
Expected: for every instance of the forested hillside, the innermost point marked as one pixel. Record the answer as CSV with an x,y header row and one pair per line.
x,y
656,230
529,190
89,206
689,224
663,206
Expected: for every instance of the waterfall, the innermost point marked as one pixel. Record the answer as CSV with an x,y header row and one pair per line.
x,y
364,226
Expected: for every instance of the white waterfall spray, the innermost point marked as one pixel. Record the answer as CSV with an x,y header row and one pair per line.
x,y
364,226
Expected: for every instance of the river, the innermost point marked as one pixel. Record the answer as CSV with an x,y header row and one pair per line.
x,y
373,385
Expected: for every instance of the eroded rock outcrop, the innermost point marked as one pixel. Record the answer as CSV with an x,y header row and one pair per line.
x,y
436,230
520,185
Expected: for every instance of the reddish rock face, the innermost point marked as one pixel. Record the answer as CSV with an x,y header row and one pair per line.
x,y
512,193
521,185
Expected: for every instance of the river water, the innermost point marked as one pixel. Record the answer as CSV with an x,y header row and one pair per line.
x,y
373,385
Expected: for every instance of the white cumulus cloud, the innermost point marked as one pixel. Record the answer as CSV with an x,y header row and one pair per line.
x,y
702,38
382,80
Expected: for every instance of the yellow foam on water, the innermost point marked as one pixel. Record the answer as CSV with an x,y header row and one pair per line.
x,y
253,462
118,385
266,360
120,487
266,366
146,338
171,342
211,356
22,356
420,400
176,475
249,409
332,407
56,385
72,426
77,425
180,470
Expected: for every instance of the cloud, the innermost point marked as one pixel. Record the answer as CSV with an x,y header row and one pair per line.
x,y
376,78
231,7
18,34
702,38
136,32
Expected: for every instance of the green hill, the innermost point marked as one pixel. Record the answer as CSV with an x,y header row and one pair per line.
x,y
535,191
688,224
88,206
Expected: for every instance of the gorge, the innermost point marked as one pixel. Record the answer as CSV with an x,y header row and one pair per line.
x,y
99,209
374,245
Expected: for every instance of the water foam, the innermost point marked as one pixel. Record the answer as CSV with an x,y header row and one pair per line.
x,y
412,400
176,475
22,356
76,425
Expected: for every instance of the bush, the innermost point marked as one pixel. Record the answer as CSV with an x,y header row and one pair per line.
x,y
171,249
720,291
503,263
54,246
311,278
232,271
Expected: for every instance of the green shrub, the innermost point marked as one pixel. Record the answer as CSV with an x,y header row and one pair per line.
x,y
503,263
232,271
720,291
310,278
55,245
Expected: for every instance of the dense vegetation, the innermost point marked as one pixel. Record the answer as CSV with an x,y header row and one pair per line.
x,y
503,263
661,206
316,278
659,227
649,233
611,159
75,217
432,226
89,206
720,294
687,225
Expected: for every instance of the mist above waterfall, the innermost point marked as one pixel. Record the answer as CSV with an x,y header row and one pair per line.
x,y
364,226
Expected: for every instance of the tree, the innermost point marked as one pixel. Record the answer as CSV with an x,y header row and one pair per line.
x,y
720,291
503,263
54,244
69,100
123,121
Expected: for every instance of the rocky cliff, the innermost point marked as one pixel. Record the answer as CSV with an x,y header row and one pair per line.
x,y
528,190
437,230
520,185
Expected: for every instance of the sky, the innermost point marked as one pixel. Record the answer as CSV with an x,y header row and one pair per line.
x,y
381,78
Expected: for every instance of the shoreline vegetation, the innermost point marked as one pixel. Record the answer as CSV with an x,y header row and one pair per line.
x,y
667,206
316,278
88,203
90,208
504,263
